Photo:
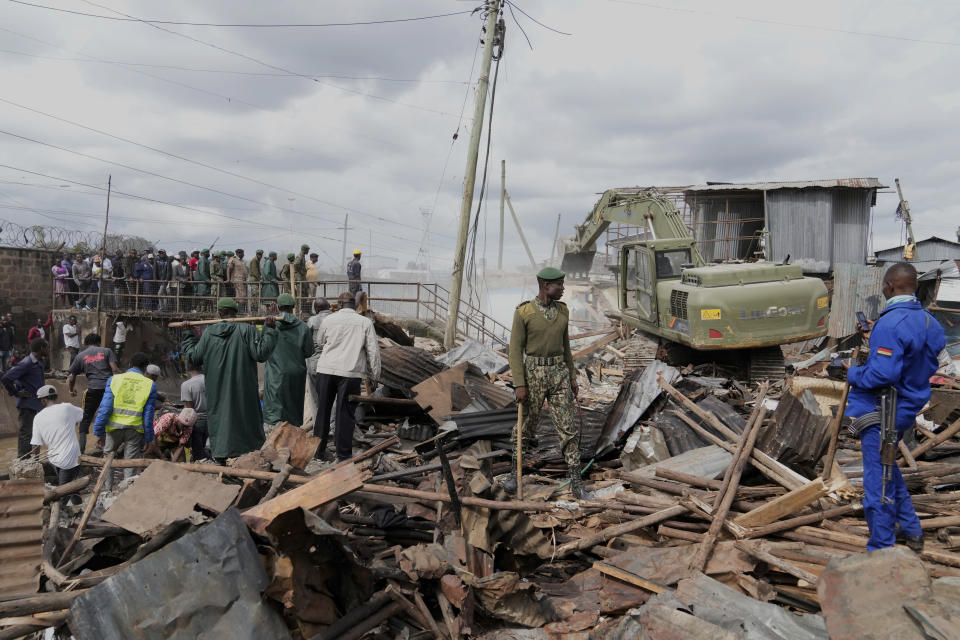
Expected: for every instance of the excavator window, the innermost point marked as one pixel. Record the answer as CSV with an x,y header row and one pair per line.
x,y
670,263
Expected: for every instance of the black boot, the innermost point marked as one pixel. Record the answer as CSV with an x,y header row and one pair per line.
x,y
510,484
914,543
576,485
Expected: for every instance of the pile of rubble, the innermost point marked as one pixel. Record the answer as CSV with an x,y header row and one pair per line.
x,y
712,515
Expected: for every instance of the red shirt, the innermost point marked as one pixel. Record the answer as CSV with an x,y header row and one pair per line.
x,y
193,263
168,429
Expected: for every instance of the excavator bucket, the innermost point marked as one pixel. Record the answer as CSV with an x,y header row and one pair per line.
x,y
577,263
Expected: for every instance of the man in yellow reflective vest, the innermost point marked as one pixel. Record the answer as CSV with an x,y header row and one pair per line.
x,y
128,404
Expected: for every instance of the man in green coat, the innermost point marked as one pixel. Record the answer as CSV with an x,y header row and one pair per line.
x,y
542,368
217,274
202,277
254,278
270,290
285,374
300,271
229,353
287,272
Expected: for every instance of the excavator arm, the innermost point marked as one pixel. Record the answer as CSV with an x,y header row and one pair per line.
x,y
644,208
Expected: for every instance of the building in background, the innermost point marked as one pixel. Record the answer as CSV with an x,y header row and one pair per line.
x,y
927,255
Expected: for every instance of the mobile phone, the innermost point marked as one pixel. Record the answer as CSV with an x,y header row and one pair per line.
x,y
862,320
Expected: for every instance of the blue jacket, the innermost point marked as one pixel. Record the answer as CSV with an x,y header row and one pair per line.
x,y
143,271
106,408
904,347
26,375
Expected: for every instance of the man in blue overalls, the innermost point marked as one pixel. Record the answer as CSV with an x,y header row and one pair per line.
x,y
904,345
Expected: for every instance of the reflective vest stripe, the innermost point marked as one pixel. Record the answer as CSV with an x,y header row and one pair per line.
x,y
127,412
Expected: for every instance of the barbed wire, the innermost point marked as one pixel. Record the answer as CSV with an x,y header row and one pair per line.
x,y
53,238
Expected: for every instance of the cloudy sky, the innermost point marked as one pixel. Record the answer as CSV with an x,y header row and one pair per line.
x,y
268,137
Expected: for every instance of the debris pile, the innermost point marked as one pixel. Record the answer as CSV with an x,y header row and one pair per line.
x,y
711,515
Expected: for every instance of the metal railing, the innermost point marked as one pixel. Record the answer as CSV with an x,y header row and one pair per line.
x,y
426,302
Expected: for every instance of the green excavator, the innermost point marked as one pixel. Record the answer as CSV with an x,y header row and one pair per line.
x,y
732,313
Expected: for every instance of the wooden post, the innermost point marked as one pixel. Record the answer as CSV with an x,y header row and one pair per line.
x,y
89,509
835,425
519,447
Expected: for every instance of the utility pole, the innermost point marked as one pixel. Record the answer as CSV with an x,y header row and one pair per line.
x,y
101,324
556,236
470,175
343,255
903,211
523,238
503,192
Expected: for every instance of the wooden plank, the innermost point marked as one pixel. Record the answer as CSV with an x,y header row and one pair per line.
x,y
619,529
326,486
599,344
790,502
761,554
626,576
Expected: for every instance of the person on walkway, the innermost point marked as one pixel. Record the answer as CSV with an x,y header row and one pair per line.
x,y
237,274
201,277
54,428
174,431
270,290
67,263
313,275
22,381
163,273
300,272
129,402
285,374
321,309
102,274
905,343
193,394
542,368
119,286
144,273
61,292
8,334
120,330
82,275
71,339
217,275
254,279
38,331
130,262
287,272
229,353
98,364
181,282
353,272
349,352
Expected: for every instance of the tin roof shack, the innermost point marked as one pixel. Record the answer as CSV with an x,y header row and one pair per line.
x,y
928,254
818,223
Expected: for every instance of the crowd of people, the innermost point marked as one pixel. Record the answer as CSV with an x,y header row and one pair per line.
x,y
222,411
158,281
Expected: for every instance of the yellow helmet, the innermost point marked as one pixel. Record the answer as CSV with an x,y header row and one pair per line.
x,y
357,252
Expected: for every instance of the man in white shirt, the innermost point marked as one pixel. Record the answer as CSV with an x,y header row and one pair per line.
x,y
120,337
54,427
348,349
71,338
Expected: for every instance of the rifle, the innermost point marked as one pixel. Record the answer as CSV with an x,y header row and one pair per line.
x,y
888,438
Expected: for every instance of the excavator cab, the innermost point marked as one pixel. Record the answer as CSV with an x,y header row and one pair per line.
x,y
642,266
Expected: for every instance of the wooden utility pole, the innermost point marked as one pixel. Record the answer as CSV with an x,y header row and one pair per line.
x,y
904,211
523,238
343,256
470,175
503,196
556,236
101,316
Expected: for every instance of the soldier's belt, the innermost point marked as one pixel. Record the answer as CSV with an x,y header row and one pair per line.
x,y
543,361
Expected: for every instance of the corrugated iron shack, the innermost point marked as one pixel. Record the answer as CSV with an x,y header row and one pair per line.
x,y
927,255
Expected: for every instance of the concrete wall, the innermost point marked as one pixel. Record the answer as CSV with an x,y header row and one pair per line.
x,y
26,286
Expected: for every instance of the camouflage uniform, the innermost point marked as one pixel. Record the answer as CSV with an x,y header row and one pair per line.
x,y
540,348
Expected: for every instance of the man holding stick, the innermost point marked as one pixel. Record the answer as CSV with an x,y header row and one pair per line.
x,y
541,364
904,344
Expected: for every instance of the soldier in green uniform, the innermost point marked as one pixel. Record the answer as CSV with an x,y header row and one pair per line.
x,y
217,275
202,278
300,272
254,278
542,368
285,272
270,289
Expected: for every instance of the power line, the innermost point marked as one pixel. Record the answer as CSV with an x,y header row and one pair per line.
x,y
781,23
512,4
265,74
272,66
243,25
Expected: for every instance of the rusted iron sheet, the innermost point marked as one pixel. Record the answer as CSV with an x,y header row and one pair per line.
x,y
856,287
636,395
854,606
667,565
795,436
850,183
404,367
21,536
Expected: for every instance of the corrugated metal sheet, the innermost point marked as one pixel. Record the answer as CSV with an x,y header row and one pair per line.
x,y
405,367
799,223
21,536
726,228
929,250
856,287
851,183
850,225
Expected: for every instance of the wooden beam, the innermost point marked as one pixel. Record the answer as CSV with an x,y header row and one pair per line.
x,y
788,503
628,577
943,436
619,529
89,509
599,344
759,553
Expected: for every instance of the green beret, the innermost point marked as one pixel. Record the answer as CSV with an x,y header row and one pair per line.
x,y
259,251
286,300
290,256
230,253
227,303
204,250
303,246
551,273
273,254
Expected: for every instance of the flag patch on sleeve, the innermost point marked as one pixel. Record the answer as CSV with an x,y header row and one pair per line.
x,y
883,351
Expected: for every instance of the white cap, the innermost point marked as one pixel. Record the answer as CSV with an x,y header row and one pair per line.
x,y
188,416
47,391
153,370
149,255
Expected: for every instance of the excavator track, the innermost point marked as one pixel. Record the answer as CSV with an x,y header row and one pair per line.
x,y
765,364
755,365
